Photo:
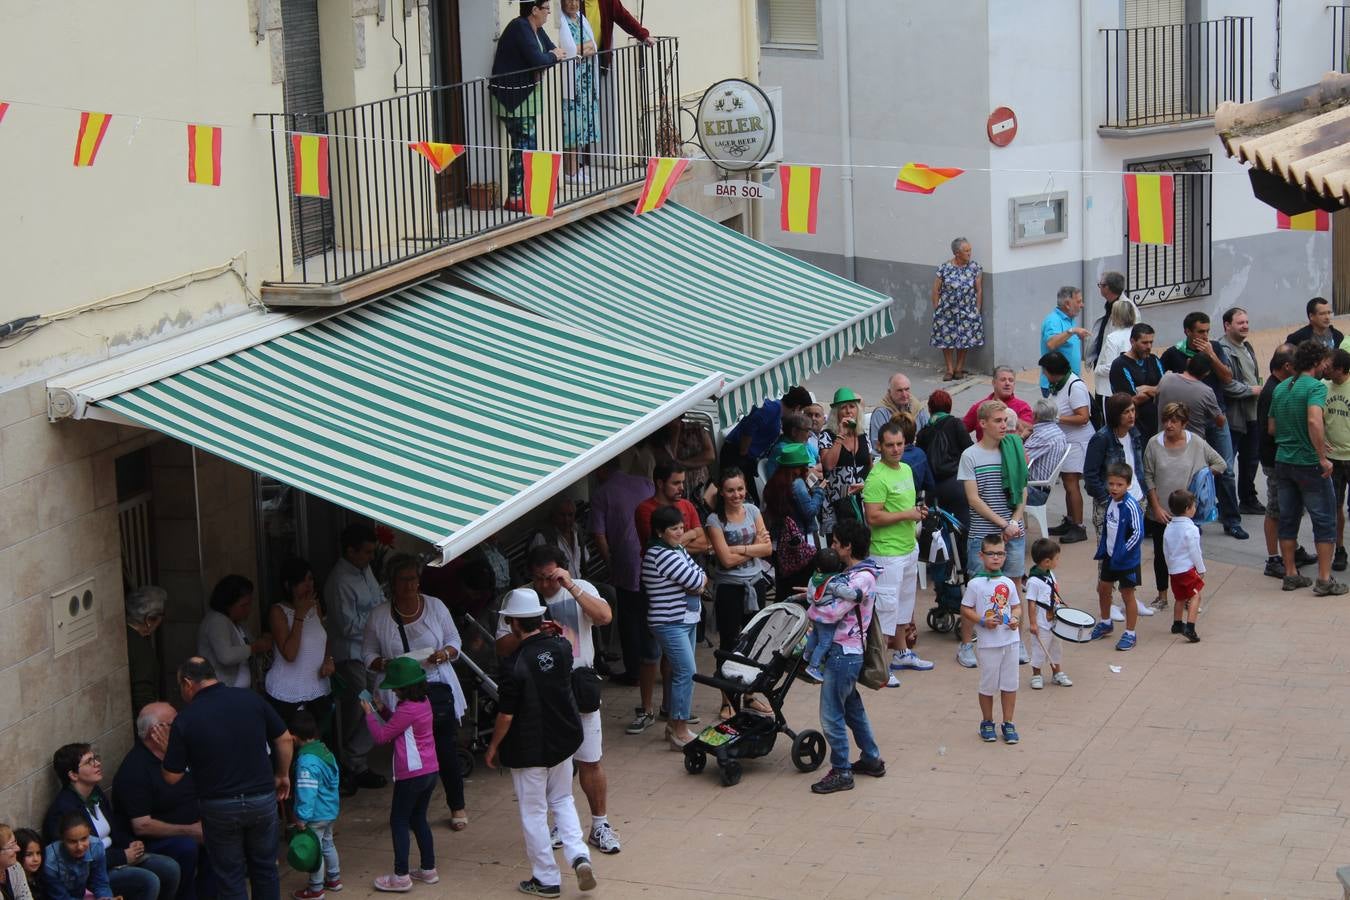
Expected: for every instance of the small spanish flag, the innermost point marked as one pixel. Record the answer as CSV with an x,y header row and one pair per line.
x,y
541,181
439,155
93,126
662,173
800,200
309,153
203,155
1312,220
4,108
1148,204
917,178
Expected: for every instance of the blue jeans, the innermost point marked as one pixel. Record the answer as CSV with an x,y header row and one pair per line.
x,y
1303,487
241,835
677,643
1014,564
841,709
156,876
409,812
1225,485
330,869
192,865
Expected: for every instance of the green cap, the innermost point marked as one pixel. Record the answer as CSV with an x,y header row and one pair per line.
x,y
303,851
401,672
790,455
845,395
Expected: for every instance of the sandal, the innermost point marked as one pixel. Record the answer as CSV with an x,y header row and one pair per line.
x,y
759,706
459,823
726,712
948,376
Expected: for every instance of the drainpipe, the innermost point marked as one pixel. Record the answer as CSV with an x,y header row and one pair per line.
x,y
845,136
1084,134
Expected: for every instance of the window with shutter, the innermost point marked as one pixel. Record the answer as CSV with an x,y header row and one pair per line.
x,y
793,24
1156,273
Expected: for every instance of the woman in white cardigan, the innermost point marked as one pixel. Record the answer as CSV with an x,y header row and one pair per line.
x,y
1124,315
418,626
580,84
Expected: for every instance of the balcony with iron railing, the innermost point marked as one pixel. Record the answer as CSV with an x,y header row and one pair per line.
x,y
389,216
1169,77
1340,37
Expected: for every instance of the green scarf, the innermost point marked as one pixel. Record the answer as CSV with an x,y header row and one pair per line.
x,y
1014,468
938,417
1041,573
316,748
1182,346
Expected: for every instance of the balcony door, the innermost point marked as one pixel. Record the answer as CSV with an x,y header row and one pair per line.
x,y
448,74
302,94
1155,60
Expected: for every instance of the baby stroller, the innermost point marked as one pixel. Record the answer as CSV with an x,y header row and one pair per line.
x,y
480,691
765,661
943,546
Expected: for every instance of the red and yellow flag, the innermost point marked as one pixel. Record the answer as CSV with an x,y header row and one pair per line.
x,y
662,173
439,155
1148,204
800,200
541,181
1312,220
309,153
93,126
917,178
203,155
4,108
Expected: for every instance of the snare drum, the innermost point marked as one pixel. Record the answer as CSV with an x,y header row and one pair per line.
x,y
1073,625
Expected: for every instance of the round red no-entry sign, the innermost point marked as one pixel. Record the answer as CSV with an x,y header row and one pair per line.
x,y
1002,126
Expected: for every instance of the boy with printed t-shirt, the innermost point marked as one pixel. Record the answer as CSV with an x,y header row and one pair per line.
x,y
890,502
991,603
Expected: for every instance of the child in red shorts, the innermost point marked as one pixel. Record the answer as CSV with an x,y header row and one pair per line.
x,y
1185,565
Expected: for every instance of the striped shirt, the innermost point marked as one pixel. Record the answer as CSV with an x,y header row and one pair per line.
x,y
985,468
673,582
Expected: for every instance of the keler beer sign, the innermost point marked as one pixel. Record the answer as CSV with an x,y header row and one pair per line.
x,y
735,124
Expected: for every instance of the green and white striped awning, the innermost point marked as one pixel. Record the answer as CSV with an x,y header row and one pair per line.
x,y
676,284
440,412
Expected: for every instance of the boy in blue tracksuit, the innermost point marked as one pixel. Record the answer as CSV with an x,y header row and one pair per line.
x,y
316,803
1119,547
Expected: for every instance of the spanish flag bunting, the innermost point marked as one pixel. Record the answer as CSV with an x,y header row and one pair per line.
x,y
1148,204
93,126
541,181
917,178
800,199
203,155
1312,220
439,155
662,174
309,153
4,108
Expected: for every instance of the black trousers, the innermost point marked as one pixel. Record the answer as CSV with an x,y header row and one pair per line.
x,y
632,624
729,609
1155,531
445,728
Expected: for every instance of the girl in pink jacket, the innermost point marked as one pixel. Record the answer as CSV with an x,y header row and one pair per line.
x,y
408,728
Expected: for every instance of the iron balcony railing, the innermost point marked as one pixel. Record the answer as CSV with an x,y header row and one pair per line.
x,y
1340,38
386,204
1174,74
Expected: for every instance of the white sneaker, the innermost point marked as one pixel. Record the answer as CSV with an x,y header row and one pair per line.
x,y
1062,680
1144,608
554,839
1117,614
605,838
908,659
1037,682
965,655
893,681
1023,657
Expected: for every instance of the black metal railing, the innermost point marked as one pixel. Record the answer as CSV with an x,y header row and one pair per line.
x,y
386,203
1156,273
1173,74
1340,38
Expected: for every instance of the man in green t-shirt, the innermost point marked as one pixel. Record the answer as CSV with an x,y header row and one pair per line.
x,y
890,502
1303,469
1336,414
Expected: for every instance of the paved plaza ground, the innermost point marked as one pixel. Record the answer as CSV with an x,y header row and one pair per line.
x,y
1209,770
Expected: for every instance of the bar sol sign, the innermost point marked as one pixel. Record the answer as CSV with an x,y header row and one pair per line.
x,y
735,124
739,190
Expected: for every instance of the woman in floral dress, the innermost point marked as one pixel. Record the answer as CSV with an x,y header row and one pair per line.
x,y
958,304
581,112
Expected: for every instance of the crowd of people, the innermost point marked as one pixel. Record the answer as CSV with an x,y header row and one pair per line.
x,y
805,497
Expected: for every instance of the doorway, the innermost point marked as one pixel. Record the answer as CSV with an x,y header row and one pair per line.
x,y
448,106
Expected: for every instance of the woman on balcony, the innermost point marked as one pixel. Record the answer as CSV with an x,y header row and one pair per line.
x,y
522,51
580,111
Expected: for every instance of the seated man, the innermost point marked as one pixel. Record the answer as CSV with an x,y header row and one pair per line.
x,y
1045,448
162,815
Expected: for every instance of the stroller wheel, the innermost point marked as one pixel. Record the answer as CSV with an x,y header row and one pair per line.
x,y
808,750
695,759
731,773
939,621
466,761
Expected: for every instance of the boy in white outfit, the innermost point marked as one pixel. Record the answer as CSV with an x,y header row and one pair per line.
x,y
1185,564
991,604
1043,594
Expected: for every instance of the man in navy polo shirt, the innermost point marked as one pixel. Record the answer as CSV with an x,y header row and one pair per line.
x,y
223,736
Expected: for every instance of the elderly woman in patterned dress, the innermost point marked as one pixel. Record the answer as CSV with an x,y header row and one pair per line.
x,y
958,304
